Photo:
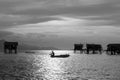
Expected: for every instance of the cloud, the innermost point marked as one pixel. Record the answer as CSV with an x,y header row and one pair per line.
x,y
56,21
7,21
101,8
11,20
63,32
60,6
4,34
52,7
63,23
67,26
20,12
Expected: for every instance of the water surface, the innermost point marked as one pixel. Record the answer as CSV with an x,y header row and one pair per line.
x,y
40,66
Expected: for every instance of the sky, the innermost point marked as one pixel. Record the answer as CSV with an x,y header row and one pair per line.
x,y
60,23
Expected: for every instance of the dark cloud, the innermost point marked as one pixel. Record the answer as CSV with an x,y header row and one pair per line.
x,y
40,19
102,10
7,22
4,34
107,19
7,5
54,7
107,8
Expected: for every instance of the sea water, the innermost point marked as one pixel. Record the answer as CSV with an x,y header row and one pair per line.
x,y
40,66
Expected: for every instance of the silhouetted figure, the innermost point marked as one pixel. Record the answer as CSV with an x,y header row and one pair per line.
x,y
52,53
93,48
78,47
58,56
10,46
113,49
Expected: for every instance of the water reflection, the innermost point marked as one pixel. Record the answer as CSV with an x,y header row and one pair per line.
x,y
77,67
51,68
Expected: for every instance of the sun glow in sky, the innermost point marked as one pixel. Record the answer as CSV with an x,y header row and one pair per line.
x,y
60,23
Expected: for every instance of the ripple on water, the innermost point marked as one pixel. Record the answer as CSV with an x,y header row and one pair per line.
x,y
43,67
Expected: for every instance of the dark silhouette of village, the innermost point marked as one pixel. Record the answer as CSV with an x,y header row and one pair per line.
x,y
10,47
112,49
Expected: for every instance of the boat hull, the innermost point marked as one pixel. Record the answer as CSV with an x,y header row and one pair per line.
x,y
60,56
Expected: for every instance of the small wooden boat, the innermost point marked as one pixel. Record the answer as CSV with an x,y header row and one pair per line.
x,y
60,56
30,52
